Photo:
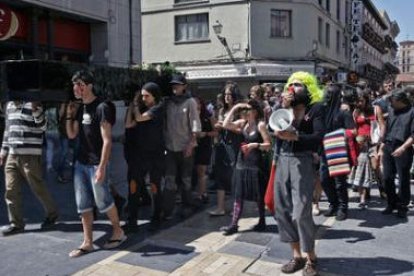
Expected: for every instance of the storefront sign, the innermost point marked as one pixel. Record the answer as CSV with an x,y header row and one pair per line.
x,y
9,23
356,40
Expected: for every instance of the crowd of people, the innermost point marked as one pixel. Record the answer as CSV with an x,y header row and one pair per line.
x,y
340,137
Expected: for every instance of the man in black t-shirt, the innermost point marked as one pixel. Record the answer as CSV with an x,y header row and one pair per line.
x,y
92,122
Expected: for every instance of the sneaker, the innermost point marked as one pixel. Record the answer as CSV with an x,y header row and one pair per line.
x,y
293,265
217,213
310,269
11,230
341,215
388,210
49,222
331,212
362,206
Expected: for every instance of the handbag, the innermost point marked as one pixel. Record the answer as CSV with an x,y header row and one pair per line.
x,y
375,132
335,148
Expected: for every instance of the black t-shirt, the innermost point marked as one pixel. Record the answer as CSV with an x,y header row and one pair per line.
x,y
147,136
152,138
90,116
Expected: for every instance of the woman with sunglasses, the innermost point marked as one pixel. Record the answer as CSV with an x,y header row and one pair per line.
x,y
249,181
295,173
225,151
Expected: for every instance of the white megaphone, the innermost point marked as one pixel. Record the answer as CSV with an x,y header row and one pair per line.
x,y
281,120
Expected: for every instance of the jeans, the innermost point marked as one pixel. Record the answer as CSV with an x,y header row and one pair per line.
x,y
88,192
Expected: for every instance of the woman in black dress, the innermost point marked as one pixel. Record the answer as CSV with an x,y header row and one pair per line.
x,y
249,181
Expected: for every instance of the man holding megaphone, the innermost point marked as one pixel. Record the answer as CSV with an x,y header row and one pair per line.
x,y
295,172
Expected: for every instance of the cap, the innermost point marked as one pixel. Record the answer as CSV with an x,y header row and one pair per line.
x,y
178,79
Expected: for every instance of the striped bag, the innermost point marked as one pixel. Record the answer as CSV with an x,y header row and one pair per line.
x,y
334,144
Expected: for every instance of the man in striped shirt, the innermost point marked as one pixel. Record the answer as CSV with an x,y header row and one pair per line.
x,y
21,153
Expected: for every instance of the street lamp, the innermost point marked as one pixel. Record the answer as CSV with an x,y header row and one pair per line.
x,y
217,28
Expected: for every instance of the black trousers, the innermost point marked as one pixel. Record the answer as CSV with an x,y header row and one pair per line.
x,y
335,188
397,165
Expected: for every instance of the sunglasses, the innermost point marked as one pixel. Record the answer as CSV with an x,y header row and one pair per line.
x,y
296,84
247,108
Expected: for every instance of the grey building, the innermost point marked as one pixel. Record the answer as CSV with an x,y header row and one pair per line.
x,y
250,41
103,32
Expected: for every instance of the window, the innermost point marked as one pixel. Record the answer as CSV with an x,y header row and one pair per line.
x,y
346,49
347,13
193,27
328,5
338,10
320,2
320,27
280,23
338,42
328,35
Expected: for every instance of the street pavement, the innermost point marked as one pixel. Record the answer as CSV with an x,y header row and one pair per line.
x,y
368,243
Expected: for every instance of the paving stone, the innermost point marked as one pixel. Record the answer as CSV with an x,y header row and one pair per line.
x,y
213,263
243,249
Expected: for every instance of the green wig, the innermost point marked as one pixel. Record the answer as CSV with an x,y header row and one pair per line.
x,y
316,94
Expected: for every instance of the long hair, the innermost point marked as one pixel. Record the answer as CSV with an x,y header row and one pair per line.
x,y
368,109
256,106
204,113
235,94
311,82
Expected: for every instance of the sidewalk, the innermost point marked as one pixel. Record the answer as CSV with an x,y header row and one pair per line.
x,y
368,243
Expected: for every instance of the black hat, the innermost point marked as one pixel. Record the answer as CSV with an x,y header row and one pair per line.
x,y
178,79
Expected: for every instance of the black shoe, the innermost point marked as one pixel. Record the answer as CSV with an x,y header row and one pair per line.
x,y
293,265
402,212
229,230
11,230
388,210
310,269
341,215
204,198
155,225
331,212
130,227
260,227
49,222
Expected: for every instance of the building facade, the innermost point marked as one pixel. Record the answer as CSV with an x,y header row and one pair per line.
x,y
250,41
373,45
405,62
105,32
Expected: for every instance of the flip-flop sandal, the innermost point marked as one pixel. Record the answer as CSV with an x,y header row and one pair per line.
x,y
111,244
79,252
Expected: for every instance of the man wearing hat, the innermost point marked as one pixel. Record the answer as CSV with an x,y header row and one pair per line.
x,y
182,124
397,151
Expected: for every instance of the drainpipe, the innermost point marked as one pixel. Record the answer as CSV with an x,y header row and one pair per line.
x,y
131,49
249,42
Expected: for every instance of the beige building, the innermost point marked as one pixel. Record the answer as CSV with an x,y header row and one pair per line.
x,y
247,41
103,32
406,62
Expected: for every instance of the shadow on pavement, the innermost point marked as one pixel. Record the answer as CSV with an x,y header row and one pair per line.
x,y
378,266
350,236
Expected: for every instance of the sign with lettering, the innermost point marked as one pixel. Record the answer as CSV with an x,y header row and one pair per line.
x,y
356,27
9,23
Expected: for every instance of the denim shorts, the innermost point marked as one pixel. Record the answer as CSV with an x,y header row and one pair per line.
x,y
88,192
